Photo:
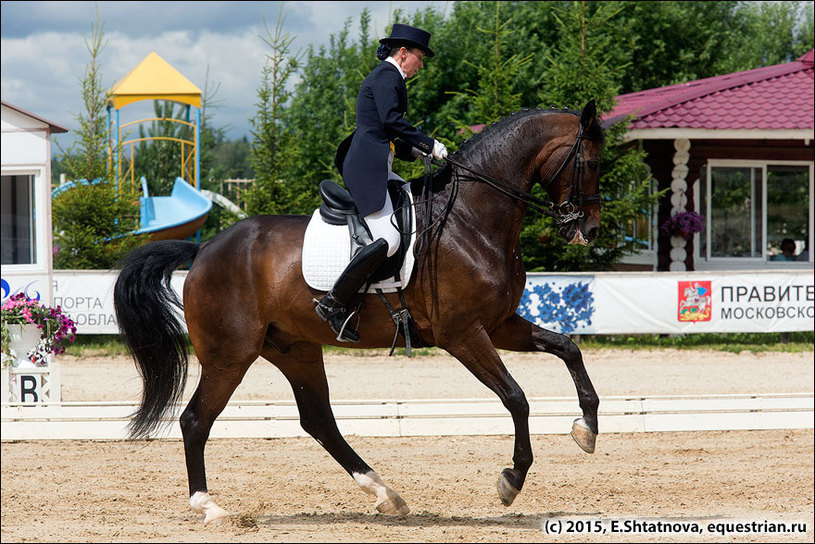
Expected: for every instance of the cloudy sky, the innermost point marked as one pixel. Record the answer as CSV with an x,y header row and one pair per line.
x,y
44,54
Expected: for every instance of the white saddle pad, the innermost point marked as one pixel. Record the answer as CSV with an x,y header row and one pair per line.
x,y
327,251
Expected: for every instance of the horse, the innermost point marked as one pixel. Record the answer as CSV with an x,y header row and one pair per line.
x,y
245,297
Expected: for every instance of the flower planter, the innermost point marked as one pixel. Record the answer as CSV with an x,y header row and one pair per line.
x,y
23,338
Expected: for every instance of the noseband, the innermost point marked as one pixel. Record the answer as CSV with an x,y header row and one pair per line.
x,y
567,211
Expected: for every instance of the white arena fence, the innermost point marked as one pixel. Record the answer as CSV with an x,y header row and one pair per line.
x,y
392,418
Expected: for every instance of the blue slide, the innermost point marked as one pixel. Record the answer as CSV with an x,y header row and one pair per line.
x,y
177,216
173,217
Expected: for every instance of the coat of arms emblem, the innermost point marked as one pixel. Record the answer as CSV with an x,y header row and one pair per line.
x,y
694,301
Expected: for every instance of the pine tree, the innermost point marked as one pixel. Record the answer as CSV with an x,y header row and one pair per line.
x,y
92,221
268,195
494,97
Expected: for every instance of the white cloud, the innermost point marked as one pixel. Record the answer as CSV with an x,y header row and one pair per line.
x,y
44,54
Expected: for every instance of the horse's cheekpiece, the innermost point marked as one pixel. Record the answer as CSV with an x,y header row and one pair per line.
x,y
332,239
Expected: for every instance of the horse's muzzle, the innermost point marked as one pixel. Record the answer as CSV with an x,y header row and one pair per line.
x,y
571,232
574,234
578,239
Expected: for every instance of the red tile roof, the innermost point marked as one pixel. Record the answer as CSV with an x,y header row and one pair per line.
x,y
770,98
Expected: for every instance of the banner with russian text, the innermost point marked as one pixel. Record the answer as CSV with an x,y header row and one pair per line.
x,y
86,296
584,303
671,302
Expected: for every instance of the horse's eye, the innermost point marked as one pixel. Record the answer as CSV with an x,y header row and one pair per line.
x,y
593,165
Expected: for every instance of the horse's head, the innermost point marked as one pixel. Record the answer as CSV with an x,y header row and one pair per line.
x,y
570,174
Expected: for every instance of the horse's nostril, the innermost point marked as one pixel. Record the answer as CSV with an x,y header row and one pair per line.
x,y
592,234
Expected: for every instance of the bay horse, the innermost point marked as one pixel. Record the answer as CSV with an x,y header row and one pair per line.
x,y
245,297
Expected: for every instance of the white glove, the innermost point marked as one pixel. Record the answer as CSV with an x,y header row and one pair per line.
x,y
439,151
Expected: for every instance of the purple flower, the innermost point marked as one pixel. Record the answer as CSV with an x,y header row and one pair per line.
x,y
683,224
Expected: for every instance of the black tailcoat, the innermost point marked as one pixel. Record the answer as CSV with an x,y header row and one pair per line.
x,y
381,110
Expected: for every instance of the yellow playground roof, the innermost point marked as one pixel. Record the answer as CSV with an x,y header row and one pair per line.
x,y
154,79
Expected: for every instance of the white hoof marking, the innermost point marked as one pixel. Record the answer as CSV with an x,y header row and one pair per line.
x,y
388,501
202,503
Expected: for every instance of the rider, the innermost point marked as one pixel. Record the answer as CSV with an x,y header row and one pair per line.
x,y
365,162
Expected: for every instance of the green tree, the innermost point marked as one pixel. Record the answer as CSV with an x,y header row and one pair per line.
x,y
675,41
268,195
494,98
578,70
90,221
671,42
780,31
87,156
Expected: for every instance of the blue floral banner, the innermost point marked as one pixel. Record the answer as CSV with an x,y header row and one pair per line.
x,y
564,304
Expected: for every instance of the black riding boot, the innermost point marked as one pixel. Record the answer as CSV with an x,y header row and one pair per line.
x,y
333,307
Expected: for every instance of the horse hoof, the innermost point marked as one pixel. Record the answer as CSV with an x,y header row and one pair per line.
x,y
202,503
393,506
584,437
216,518
506,491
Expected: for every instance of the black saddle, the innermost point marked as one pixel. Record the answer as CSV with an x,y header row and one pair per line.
x,y
338,208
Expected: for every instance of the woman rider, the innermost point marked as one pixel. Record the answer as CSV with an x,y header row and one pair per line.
x,y
382,133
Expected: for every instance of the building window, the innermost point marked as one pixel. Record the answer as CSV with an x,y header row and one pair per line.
x,y
640,230
751,209
787,209
18,232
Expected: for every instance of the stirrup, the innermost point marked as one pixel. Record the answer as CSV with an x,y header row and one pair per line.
x,y
336,315
352,335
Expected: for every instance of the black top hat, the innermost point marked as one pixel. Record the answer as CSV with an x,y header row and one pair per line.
x,y
409,35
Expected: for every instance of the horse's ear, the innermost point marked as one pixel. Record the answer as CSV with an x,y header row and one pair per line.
x,y
589,114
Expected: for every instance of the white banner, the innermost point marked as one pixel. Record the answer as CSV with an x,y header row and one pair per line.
x,y
599,303
671,302
86,296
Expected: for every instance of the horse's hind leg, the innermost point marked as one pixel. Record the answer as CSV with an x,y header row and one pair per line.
x,y
476,352
303,367
518,334
216,386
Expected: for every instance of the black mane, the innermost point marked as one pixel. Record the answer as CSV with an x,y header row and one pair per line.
x,y
505,122
441,177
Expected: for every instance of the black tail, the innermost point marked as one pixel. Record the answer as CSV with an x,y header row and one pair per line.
x,y
144,300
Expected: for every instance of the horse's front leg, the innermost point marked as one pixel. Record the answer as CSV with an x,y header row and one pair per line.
x,y
476,352
518,334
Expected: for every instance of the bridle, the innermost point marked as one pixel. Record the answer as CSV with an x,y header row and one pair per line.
x,y
565,212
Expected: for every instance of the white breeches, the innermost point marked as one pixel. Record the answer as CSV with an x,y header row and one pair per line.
x,y
381,227
381,222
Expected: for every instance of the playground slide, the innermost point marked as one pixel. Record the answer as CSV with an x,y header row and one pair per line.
x,y
173,217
